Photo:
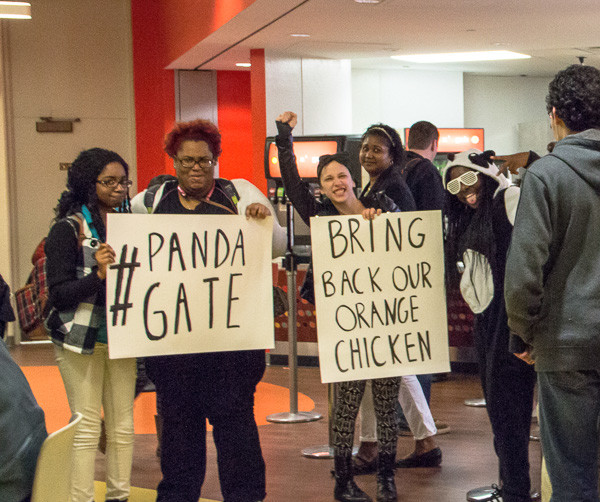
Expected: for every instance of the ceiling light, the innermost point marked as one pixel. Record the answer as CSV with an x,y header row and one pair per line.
x,y
300,35
455,57
243,65
15,10
368,1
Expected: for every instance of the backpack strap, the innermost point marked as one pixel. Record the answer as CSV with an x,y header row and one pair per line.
x,y
150,196
225,186
230,190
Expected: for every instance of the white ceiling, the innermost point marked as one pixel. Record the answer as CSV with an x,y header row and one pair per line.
x,y
554,32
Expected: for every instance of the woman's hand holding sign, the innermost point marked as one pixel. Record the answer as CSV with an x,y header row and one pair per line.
x,y
370,213
104,257
258,211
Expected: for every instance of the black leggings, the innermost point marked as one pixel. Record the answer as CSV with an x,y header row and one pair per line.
x,y
385,396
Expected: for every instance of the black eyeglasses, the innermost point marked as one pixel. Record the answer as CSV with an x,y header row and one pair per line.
x,y
189,162
113,182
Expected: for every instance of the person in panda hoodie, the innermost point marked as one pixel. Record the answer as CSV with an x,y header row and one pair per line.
x,y
480,211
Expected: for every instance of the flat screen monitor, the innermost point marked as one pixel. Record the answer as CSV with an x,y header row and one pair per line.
x,y
307,151
456,140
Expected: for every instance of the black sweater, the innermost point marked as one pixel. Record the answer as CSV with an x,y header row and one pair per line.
x,y
63,254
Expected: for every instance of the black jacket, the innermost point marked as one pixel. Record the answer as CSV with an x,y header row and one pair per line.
x,y
303,200
301,197
424,182
392,184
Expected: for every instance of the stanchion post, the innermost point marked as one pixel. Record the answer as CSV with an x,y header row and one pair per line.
x,y
294,416
326,450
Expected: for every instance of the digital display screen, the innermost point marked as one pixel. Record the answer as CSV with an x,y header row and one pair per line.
x,y
307,157
456,140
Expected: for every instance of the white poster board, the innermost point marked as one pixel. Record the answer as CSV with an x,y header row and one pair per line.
x,y
188,283
380,295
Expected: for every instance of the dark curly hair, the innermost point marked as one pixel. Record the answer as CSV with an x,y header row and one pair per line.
x,y
575,94
468,228
392,139
196,130
81,185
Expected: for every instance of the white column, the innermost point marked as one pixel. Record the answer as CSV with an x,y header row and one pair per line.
x,y
318,90
8,246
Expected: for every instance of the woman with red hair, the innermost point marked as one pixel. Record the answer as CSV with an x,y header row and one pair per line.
x,y
218,386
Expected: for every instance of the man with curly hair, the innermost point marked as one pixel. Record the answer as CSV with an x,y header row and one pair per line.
x,y
552,285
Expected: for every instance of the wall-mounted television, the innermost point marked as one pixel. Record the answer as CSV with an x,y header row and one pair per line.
x,y
308,149
457,139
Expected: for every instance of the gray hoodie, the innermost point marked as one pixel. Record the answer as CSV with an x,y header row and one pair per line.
x,y
552,286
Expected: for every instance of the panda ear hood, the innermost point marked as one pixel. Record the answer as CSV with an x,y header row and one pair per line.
x,y
478,161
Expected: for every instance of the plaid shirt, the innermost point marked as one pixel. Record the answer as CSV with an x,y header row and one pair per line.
x,y
77,329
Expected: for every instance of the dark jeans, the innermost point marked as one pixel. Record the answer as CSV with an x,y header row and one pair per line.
x,y
219,387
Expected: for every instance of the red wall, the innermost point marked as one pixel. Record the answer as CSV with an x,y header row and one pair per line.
x,y
163,30
235,123
259,117
154,90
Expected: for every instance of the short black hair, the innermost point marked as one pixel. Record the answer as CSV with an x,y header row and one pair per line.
x,y
575,95
421,134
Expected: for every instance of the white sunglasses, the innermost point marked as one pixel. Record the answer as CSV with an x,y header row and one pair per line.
x,y
469,179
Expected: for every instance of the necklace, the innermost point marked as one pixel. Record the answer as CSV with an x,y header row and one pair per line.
x,y
189,201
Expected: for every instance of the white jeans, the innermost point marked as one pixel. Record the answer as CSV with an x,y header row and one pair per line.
x,y
414,405
95,382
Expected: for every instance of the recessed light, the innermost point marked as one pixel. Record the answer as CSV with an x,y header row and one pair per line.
x,y
455,57
243,65
300,35
368,1
15,10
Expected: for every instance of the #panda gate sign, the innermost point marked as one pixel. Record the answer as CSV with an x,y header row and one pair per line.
x,y
188,284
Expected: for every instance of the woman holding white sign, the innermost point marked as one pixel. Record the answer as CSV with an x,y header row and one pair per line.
x,y
77,260
480,218
218,386
338,187
381,155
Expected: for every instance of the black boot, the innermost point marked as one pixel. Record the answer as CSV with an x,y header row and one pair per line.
x,y
345,487
386,484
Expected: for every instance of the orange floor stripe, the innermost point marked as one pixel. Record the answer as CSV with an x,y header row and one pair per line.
x,y
48,389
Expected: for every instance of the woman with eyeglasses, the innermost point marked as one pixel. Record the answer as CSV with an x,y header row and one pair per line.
x,y
218,386
480,210
77,259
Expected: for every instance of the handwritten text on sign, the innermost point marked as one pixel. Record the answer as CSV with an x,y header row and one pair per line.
x,y
185,284
379,289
